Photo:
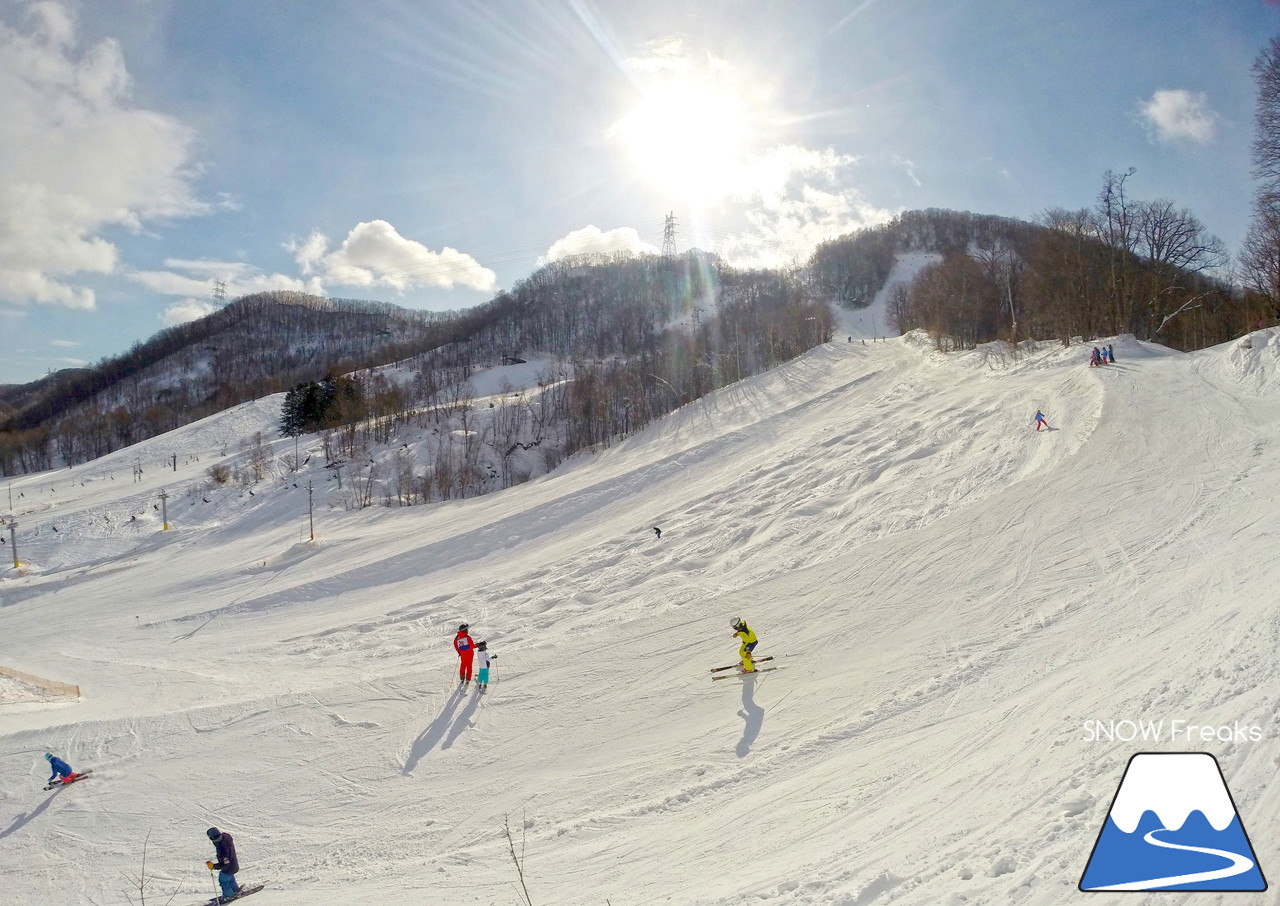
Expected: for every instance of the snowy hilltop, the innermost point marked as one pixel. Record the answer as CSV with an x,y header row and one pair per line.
x,y
951,597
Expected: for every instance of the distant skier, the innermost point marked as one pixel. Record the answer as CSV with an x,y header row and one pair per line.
x,y
1040,421
60,769
1111,354
226,862
749,641
466,648
483,659
657,531
1096,358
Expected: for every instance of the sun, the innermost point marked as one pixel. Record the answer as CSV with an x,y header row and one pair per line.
x,y
689,136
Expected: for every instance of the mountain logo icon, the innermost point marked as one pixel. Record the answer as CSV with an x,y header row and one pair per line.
x,y
1173,826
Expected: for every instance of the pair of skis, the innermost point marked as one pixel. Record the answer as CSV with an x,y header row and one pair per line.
x,y
244,892
718,673
75,778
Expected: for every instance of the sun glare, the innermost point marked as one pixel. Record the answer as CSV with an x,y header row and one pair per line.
x,y
688,136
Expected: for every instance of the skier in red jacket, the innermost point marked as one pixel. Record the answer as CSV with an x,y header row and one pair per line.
x,y
466,648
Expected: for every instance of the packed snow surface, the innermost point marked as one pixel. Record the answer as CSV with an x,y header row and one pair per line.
x,y
952,595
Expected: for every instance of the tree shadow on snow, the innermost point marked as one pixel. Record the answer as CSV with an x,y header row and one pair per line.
x,y
431,736
22,820
752,716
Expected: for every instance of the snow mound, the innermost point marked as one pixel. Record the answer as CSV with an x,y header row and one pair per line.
x,y
1253,361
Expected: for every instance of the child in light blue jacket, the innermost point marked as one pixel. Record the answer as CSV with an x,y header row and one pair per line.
x,y
483,659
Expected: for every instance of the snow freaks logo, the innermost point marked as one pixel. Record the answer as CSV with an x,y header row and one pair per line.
x,y
1153,731
1173,826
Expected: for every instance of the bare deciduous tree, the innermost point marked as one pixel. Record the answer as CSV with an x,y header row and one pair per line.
x,y
1260,256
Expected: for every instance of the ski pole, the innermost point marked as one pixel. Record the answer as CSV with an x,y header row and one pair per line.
x,y
214,881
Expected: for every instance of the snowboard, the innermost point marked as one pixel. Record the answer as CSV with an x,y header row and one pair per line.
x,y
76,779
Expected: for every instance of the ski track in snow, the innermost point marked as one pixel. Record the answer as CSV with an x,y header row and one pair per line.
x,y
955,594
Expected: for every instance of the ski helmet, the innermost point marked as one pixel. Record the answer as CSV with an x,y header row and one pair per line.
x,y
737,623
48,756
463,628
483,646
214,834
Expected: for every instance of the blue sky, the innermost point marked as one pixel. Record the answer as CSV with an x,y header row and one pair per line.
x,y
429,153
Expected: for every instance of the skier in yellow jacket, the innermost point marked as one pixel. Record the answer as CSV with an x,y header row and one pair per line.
x,y
749,642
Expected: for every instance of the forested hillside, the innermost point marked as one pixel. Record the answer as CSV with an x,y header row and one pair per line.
x,y
1125,266
641,336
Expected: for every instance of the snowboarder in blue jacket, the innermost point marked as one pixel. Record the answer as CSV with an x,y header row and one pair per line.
x,y
60,768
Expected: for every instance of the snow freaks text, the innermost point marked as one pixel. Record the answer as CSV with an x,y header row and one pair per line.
x,y
1173,731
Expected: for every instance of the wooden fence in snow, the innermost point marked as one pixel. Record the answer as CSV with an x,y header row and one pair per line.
x,y
40,682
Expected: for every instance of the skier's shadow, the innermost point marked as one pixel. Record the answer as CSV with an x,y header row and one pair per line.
x,y
463,721
26,817
752,716
431,736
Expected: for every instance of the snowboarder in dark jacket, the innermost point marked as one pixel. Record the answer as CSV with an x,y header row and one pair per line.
x,y
227,863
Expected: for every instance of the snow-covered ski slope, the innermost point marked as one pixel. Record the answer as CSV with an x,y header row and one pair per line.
x,y
952,593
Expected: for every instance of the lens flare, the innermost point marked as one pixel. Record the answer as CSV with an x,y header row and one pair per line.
x,y
689,136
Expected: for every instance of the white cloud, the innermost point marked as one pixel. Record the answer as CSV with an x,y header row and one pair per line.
x,y
663,55
798,197
309,252
239,279
65,344
593,240
909,168
1178,115
212,270
76,157
791,230
769,178
374,254
186,310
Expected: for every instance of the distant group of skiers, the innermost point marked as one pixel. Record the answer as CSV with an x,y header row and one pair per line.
x,y
1104,356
